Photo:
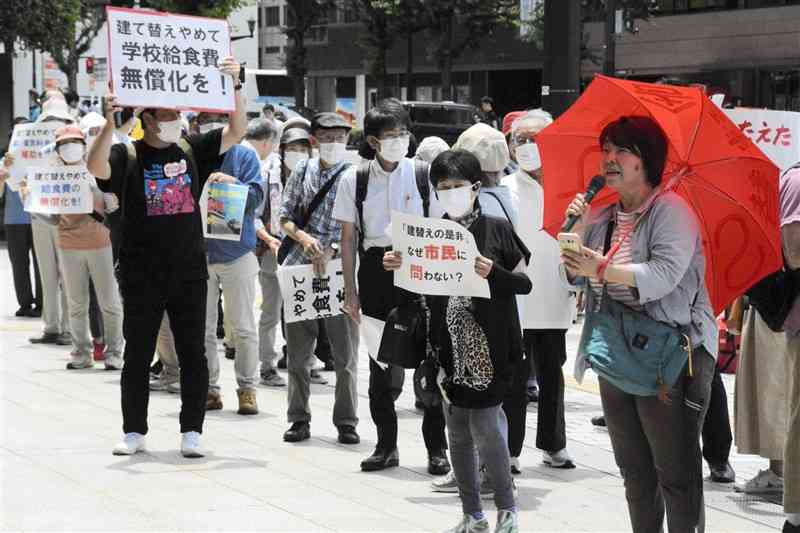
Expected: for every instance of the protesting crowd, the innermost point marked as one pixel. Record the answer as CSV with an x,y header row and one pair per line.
x,y
143,270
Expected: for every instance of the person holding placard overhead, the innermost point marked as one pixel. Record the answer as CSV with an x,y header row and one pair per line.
x,y
478,342
386,181
162,263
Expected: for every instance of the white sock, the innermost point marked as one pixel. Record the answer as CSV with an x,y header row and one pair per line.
x,y
793,518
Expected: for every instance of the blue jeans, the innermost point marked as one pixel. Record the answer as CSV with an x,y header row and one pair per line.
x,y
479,431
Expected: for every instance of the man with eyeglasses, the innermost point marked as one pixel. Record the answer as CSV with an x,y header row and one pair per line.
x,y
314,183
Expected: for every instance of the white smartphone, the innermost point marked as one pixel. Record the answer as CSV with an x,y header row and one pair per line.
x,y
570,241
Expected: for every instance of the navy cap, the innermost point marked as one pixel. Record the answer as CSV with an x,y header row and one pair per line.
x,y
291,135
329,120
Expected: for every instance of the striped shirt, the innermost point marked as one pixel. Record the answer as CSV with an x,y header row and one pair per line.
x,y
617,291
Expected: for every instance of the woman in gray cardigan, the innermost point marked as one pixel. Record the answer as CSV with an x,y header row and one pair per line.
x,y
659,270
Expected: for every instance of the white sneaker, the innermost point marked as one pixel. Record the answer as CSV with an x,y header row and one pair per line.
x,y
190,445
132,443
506,522
446,483
469,525
113,362
174,388
559,459
766,482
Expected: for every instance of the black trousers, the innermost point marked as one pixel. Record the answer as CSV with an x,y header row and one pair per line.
x,y
95,314
548,347
20,253
515,406
144,303
717,436
378,296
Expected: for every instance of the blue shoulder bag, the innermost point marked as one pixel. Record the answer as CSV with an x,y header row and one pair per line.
x,y
637,354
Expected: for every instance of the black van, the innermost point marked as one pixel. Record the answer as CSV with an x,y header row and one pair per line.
x,y
441,119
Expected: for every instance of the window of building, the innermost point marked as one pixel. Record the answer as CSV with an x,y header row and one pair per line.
x,y
272,50
273,16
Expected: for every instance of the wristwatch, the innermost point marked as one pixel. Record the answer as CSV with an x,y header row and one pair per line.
x,y
237,87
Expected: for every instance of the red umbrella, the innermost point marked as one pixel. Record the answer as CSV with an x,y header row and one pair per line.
x,y
731,185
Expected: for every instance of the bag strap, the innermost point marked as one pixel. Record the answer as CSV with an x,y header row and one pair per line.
x,y
493,195
421,170
362,182
184,145
320,196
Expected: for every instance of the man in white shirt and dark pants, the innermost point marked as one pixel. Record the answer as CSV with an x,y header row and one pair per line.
x,y
546,313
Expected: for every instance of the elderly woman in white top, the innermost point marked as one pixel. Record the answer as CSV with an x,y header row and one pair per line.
x,y
546,312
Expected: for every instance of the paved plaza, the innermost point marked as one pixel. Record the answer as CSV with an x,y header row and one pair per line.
x,y
57,428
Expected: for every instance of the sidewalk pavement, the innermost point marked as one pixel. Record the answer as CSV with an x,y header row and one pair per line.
x,y
57,428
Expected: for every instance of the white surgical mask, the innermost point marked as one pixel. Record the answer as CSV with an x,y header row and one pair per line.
x,y
456,202
528,157
205,128
170,131
393,150
71,152
332,153
291,159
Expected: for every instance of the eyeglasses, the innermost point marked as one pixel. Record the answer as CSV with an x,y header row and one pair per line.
x,y
331,136
447,187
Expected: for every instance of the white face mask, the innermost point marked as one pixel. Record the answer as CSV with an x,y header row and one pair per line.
x,y
528,157
71,152
170,131
291,159
456,202
205,128
393,150
332,153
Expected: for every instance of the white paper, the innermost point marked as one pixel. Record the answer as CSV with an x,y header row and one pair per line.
x,y
371,333
307,297
438,257
27,146
60,190
165,60
776,133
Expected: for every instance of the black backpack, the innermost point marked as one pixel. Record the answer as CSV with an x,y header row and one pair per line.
x,y
362,182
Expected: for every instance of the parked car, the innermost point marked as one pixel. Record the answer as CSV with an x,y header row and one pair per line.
x,y
442,119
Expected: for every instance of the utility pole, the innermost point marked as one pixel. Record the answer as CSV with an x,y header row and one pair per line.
x,y
561,79
609,68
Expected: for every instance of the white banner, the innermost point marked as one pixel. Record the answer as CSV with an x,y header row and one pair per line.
x,y
776,133
308,297
27,142
170,61
438,257
60,191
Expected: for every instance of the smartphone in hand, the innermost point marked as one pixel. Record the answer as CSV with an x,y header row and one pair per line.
x,y
570,241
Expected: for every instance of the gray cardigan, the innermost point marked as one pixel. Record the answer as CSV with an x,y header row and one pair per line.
x,y
669,267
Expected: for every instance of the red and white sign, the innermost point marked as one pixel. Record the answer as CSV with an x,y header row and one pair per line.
x,y
170,61
776,133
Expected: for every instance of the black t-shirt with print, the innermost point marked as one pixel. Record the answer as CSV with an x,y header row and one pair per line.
x,y
162,235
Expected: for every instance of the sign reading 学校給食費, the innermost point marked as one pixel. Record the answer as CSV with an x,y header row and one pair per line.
x,y
169,61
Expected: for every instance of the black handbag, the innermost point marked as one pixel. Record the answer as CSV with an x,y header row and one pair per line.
x,y
774,296
405,335
425,386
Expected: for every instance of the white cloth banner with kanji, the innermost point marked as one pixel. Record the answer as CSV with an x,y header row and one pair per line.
x,y
60,190
776,133
438,257
307,296
170,61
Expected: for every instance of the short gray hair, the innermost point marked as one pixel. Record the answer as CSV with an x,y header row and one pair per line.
x,y
536,119
261,129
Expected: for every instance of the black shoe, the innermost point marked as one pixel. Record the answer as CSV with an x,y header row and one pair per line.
x,y
23,312
230,352
282,360
789,528
348,435
438,465
419,405
599,421
298,432
722,473
533,394
220,332
46,338
329,365
36,312
380,459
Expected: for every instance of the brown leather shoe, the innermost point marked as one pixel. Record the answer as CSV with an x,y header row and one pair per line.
x,y
247,402
213,401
